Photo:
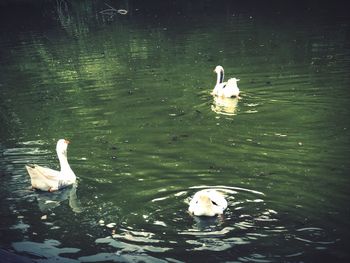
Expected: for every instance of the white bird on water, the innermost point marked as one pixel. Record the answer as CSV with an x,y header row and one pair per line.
x,y
46,179
208,202
227,89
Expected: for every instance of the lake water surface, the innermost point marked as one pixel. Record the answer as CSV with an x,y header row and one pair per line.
x,y
131,93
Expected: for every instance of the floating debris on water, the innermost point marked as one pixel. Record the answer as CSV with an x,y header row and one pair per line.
x,y
111,225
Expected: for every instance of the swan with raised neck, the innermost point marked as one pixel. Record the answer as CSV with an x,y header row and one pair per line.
x,y
227,89
47,179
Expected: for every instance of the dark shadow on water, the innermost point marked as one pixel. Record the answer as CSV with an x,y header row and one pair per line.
x,y
9,257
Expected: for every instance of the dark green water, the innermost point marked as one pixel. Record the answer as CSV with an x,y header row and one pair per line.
x,y
131,93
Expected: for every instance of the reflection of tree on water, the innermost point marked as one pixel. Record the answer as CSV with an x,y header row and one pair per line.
x,y
225,106
48,201
74,25
76,17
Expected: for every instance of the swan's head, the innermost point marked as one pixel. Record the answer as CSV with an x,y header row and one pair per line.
x,y
61,147
218,69
204,206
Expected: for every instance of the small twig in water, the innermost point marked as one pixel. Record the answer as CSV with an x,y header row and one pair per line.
x,y
111,7
111,11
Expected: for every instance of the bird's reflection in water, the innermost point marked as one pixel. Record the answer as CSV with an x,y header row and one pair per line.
x,y
203,223
48,201
225,106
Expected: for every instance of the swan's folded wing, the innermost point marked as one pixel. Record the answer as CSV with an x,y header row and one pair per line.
x,y
46,172
43,178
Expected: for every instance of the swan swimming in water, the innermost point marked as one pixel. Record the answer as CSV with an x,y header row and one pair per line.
x,y
208,202
46,179
227,89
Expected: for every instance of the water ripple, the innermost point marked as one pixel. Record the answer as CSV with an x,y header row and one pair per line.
x,y
247,220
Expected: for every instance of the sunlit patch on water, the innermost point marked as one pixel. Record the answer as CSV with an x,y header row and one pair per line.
x,y
20,226
46,251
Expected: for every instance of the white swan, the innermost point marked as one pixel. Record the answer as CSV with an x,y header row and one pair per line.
x,y
46,179
208,202
227,89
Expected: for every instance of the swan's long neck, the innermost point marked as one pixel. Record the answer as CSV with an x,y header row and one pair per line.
x,y
220,77
63,162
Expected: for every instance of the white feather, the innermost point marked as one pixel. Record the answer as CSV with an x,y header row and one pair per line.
x,y
208,202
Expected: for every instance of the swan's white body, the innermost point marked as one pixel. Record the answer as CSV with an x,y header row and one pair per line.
x,y
208,202
227,89
46,179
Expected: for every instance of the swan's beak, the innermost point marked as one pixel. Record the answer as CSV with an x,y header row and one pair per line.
x,y
238,79
66,141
